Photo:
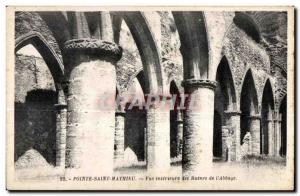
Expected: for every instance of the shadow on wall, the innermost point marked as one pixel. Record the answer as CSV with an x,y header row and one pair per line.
x,y
135,125
35,124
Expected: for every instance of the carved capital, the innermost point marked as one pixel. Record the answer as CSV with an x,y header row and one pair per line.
x,y
120,113
179,121
254,117
210,84
60,106
95,47
232,113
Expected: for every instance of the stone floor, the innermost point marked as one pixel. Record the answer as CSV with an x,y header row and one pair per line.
x,y
249,166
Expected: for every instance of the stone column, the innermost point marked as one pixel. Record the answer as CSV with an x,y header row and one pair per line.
x,y
158,139
119,137
271,136
254,122
197,155
233,120
61,128
91,105
225,146
277,132
179,122
145,144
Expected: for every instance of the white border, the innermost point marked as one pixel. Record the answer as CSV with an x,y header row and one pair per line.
x,y
105,2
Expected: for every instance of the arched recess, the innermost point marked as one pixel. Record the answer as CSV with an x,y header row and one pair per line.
x,y
267,110
282,111
47,52
146,45
36,72
194,43
225,101
135,120
248,103
248,25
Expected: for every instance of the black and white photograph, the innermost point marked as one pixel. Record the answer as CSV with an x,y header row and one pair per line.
x,y
150,98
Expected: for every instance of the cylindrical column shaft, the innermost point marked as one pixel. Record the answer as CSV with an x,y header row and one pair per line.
x,y
271,138
61,129
233,119
158,139
91,105
119,137
225,146
197,152
90,121
254,122
179,122
277,130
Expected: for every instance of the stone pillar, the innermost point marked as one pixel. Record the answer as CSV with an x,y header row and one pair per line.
x,y
119,137
145,144
225,146
197,155
61,128
271,136
233,120
179,122
91,105
277,132
254,122
158,139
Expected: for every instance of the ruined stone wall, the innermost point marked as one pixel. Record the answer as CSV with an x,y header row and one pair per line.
x,y
280,85
130,63
31,73
135,124
243,53
170,50
35,116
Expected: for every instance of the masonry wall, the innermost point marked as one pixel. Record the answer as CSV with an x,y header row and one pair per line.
x,y
35,116
135,124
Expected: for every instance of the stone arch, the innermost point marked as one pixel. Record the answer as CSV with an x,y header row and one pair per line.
x,y
224,102
267,111
135,119
246,23
224,78
47,52
37,94
31,22
248,103
147,47
140,76
194,44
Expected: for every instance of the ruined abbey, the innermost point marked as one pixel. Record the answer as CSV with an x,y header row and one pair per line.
x,y
72,70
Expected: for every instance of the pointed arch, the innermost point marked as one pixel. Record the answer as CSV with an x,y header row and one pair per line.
x,y
268,94
194,43
224,101
147,47
248,103
267,110
47,52
225,81
249,92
